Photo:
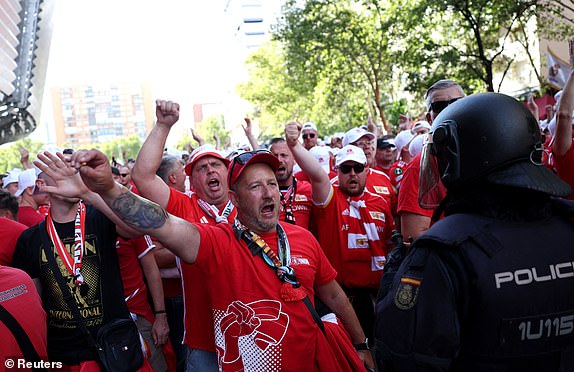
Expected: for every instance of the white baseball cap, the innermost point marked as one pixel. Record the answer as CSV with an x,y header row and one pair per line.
x,y
26,179
309,125
416,145
402,139
321,153
350,153
11,177
354,134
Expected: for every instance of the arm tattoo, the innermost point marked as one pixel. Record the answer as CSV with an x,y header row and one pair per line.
x,y
138,212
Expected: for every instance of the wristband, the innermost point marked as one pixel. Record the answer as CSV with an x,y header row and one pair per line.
x,y
159,312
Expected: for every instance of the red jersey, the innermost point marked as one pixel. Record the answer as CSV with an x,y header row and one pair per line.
x,y
395,172
377,183
198,319
19,297
10,232
565,168
298,199
358,253
302,176
409,192
29,216
135,291
255,330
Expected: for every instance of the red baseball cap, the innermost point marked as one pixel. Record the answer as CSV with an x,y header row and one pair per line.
x,y
203,151
241,161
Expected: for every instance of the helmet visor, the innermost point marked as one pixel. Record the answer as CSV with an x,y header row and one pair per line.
x,y
431,189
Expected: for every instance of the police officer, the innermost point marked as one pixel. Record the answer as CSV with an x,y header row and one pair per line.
x,y
490,286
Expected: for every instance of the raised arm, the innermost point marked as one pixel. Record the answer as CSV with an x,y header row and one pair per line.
x,y
148,183
563,136
248,129
180,236
321,187
70,184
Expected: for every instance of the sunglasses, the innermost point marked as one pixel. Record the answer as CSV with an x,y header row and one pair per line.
x,y
244,157
124,174
438,106
309,135
346,169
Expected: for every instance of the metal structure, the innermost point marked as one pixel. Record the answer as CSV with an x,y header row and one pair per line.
x,y
24,46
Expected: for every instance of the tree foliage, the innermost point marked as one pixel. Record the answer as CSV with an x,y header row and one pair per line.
x,y
210,128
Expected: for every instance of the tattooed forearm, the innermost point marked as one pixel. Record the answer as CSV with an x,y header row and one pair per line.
x,y
138,212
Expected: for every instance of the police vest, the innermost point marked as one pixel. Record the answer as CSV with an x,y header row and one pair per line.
x,y
514,289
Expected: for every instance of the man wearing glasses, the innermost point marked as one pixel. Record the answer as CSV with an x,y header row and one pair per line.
x,y
260,272
353,224
309,135
377,182
414,219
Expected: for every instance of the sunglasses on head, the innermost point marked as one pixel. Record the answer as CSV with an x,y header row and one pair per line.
x,y
308,135
244,158
346,168
124,174
438,106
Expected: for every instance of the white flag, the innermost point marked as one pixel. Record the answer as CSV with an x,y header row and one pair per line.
x,y
558,70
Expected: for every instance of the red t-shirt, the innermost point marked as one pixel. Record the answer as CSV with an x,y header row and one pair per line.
x,y
409,192
255,330
302,202
395,172
197,301
135,291
29,216
565,168
377,183
9,232
18,295
358,264
302,176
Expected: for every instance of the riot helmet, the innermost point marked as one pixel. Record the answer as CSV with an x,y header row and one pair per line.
x,y
488,137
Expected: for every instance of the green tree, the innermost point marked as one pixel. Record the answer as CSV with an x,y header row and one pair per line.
x,y
344,43
278,95
129,146
211,127
10,154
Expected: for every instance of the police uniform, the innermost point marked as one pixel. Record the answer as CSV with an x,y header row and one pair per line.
x,y
491,286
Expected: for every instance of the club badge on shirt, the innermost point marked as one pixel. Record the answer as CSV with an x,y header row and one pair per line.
x,y
381,190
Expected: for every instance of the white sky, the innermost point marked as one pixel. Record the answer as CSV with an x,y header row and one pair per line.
x,y
180,46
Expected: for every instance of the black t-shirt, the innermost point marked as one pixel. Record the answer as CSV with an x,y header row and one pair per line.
x,y
104,300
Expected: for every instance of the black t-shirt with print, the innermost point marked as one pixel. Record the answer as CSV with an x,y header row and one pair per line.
x,y
104,299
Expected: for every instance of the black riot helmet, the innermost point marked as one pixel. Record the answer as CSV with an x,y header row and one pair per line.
x,y
486,137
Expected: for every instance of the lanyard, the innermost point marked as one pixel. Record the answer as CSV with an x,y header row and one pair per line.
x,y
72,264
287,202
212,211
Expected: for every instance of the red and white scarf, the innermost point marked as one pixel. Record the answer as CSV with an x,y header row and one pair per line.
x,y
72,263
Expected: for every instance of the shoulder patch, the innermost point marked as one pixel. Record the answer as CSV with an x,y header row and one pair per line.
x,y
381,190
406,296
377,215
300,197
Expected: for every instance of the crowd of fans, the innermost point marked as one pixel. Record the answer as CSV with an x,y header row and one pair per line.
x,y
350,194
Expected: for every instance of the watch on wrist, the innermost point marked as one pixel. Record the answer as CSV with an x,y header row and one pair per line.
x,y
363,345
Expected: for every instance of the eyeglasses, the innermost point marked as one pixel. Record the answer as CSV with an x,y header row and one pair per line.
x,y
363,143
244,158
438,106
308,135
346,169
124,174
